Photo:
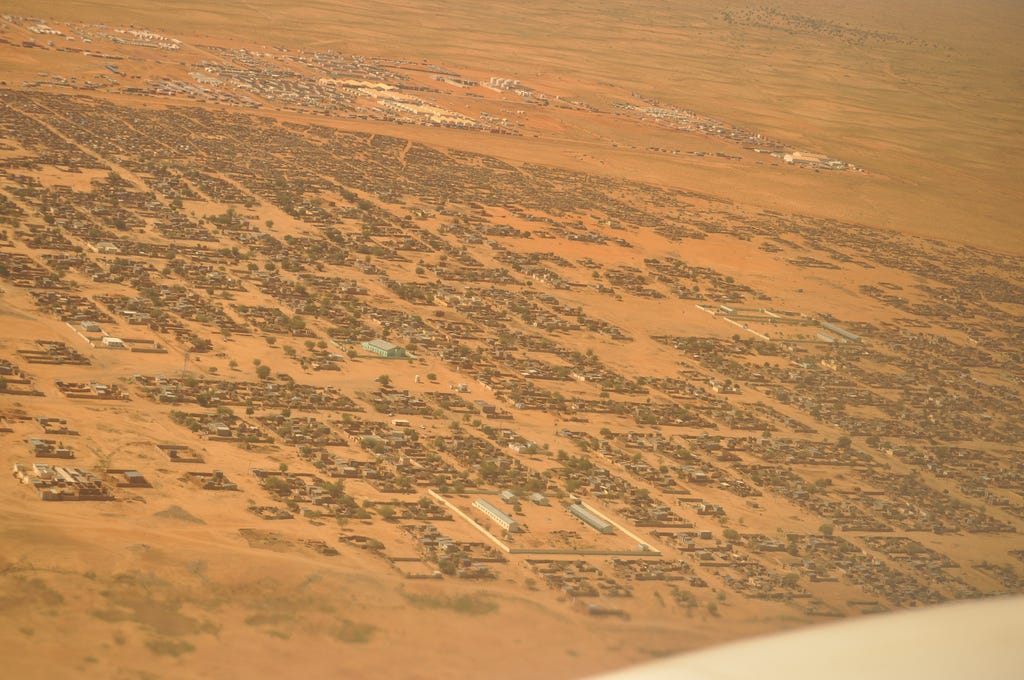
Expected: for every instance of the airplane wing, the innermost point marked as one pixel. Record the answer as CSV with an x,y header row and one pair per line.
x,y
981,639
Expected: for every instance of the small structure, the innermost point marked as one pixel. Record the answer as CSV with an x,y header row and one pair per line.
x,y
178,453
384,348
55,483
211,481
124,478
539,499
503,520
106,247
48,448
590,518
709,509
220,430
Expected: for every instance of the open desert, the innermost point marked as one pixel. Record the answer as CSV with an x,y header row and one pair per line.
x,y
442,339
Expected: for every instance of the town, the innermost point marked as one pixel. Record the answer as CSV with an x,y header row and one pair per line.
x,y
453,368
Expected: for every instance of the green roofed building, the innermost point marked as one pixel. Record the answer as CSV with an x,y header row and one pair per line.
x,y
384,348
590,518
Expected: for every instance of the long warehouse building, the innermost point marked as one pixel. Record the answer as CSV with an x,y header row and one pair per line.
x,y
590,518
503,520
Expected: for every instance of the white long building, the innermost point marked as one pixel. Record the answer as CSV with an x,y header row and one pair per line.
x,y
503,520
590,518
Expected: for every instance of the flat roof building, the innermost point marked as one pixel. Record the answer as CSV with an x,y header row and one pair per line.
x,y
503,520
846,335
590,518
384,348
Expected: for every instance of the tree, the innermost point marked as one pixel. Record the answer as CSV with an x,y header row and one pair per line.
x,y
827,530
387,512
684,597
844,442
384,380
277,485
263,372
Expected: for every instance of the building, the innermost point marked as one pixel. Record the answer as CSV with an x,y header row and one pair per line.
x,y
219,430
134,478
710,509
503,520
106,247
384,348
592,519
846,335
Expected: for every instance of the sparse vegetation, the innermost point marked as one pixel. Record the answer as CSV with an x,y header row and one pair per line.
x,y
469,604
353,633
170,647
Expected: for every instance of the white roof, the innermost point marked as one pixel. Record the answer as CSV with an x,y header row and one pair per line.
x,y
382,344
